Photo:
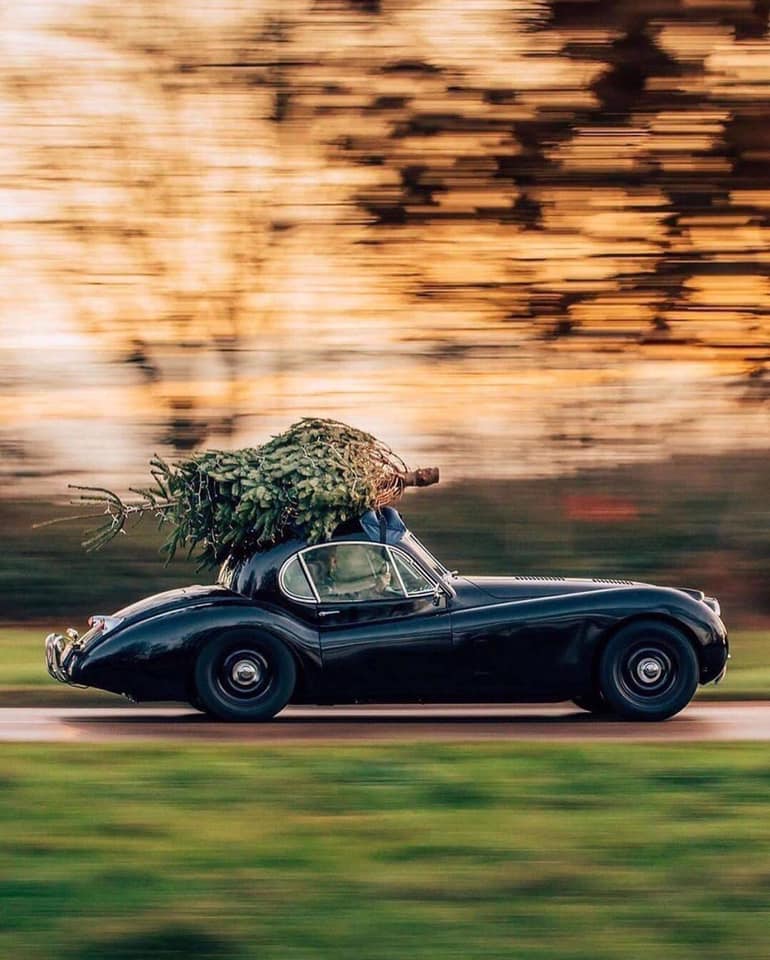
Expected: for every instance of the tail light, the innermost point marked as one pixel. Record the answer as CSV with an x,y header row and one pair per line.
x,y
103,624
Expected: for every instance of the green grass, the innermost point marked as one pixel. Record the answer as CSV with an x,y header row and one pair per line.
x,y
491,851
24,680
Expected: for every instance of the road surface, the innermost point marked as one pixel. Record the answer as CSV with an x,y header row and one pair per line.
x,y
362,724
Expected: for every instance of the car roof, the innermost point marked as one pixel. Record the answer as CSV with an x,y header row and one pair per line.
x,y
257,573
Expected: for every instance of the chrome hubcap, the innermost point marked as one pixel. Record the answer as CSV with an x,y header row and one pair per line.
x,y
649,670
245,673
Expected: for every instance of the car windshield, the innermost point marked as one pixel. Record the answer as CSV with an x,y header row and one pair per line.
x,y
425,556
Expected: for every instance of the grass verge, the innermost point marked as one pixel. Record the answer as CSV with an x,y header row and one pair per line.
x,y
25,682
422,851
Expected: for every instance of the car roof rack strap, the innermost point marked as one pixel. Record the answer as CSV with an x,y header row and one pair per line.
x,y
384,525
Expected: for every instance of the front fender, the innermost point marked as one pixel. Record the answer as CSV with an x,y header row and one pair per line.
x,y
704,627
153,658
551,644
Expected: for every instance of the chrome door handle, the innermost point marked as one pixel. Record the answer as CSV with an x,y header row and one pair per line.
x,y
326,613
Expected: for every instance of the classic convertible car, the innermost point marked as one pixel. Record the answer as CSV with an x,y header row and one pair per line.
x,y
372,616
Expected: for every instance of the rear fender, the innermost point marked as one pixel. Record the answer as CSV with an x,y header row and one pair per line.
x,y
152,659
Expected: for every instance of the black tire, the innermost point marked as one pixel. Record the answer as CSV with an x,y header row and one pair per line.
x,y
594,703
648,671
244,676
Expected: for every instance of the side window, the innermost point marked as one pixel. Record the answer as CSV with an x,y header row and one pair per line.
x,y
349,572
413,578
294,581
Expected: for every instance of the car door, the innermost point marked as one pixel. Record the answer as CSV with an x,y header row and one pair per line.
x,y
384,632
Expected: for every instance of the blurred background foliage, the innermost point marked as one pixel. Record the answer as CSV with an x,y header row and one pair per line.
x,y
526,240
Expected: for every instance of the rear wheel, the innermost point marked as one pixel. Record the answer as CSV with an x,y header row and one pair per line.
x,y
648,671
244,676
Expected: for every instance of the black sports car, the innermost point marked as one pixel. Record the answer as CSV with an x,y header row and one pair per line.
x,y
373,616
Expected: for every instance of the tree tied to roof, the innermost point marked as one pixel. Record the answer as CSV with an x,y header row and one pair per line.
x,y
304,482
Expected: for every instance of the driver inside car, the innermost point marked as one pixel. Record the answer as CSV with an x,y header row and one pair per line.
x,y
353,572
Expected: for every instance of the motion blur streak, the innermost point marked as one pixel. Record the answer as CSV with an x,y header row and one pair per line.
x,y
237,852
532,235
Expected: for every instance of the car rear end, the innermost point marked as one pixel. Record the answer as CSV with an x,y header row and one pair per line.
x,y
65,652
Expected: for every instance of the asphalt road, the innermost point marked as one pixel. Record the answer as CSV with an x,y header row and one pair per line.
x,y
563,722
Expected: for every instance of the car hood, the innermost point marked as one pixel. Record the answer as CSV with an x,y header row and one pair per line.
x,y
521,588
173,600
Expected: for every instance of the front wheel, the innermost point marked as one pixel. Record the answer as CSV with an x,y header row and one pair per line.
x,y
648,671
244,676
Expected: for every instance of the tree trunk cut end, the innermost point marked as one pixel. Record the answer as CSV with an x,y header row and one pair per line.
x,y
422,477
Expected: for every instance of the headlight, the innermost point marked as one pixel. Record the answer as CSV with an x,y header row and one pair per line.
x,y
713,603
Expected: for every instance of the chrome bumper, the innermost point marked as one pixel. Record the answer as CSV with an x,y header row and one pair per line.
x,y
59,651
